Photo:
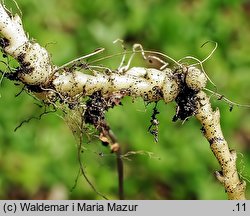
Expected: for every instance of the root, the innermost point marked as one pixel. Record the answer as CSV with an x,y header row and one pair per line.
x,y
228,176
79,62
91,89
231,103
34,117
83,171
79,151
153,128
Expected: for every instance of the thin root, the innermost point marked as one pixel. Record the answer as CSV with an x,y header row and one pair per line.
x,y
34,117
222,97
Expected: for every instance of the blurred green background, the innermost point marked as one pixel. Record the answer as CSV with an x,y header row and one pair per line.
x,y
39,161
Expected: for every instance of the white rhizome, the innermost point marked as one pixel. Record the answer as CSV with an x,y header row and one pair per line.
x,y
37,69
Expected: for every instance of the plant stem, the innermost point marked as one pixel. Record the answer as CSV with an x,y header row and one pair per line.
x,y
119,163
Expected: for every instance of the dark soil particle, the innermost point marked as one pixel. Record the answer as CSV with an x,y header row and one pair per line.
x,y
186,100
